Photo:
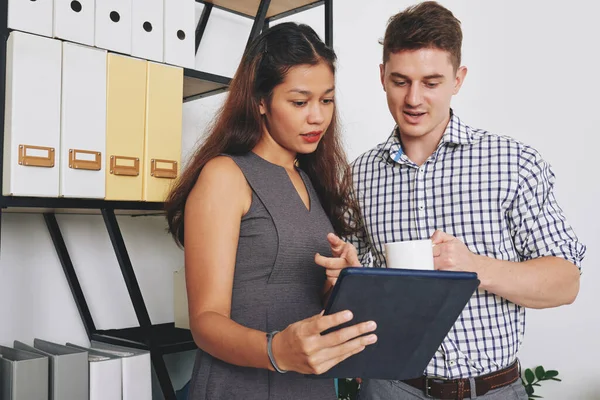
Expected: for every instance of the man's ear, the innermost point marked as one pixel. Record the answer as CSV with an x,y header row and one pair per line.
x,y
382,75
461,74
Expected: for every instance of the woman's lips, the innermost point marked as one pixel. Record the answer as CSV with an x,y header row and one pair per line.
x,y
312,137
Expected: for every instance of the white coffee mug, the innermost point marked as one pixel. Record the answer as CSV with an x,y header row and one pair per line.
x,y
411,254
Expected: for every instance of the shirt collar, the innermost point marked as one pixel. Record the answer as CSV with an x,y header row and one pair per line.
x,y
456,133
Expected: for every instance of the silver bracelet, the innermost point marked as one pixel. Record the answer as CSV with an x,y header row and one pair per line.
x,y
270,351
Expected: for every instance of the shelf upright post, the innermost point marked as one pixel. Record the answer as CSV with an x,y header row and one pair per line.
x,y
3,40
201,27
259,20
329,23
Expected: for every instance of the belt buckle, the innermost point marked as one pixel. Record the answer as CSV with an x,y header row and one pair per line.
x,y
427,387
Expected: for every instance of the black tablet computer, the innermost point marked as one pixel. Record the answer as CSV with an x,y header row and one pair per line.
x,y
413,309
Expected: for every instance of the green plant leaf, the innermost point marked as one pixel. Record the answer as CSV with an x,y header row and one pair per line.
x,y
529,390
556,379
536,384
540,372
529,376
535,396
551,374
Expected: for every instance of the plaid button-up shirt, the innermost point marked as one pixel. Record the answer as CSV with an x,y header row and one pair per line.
x,y
493,193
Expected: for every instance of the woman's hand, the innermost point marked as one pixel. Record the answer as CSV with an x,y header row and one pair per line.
x,y
300,347
344,255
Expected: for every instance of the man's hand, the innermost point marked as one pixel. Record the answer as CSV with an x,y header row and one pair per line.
x,y
556,280
451,254
344,255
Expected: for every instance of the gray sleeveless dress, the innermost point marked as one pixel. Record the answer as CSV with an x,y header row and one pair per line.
x,y
276,283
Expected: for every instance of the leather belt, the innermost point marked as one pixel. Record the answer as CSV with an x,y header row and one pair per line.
x,y
458,389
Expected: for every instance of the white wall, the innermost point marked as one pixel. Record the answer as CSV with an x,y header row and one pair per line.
x,y
532,68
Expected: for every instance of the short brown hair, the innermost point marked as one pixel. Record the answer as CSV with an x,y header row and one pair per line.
x,y
425,25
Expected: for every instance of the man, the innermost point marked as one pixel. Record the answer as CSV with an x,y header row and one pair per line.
x,y
485,200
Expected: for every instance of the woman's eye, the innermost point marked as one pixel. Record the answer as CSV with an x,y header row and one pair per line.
x,y
328,101
298,103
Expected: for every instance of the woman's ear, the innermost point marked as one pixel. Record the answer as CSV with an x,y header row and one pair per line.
x,y
262,107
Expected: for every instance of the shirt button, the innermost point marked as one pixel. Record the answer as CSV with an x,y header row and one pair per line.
x,y
421,170
452,363
421,207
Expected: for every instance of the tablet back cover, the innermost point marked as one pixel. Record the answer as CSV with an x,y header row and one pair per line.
x,y
414,311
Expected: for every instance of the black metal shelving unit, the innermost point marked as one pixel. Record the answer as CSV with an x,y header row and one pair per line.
x,y
159,339
198,84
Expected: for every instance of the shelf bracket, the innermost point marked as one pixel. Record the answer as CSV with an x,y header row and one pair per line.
x,y
116,238
69,270
162,374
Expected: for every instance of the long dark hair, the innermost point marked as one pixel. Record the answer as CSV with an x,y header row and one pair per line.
x,y
238,125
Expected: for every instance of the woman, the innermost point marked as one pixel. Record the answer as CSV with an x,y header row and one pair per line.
x,y
255,205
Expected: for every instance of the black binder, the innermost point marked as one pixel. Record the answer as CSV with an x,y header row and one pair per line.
x,y
413,309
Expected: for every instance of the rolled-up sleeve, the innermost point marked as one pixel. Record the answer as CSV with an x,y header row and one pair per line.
x,y
538,225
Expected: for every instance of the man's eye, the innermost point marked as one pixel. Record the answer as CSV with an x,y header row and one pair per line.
x,y
399,83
